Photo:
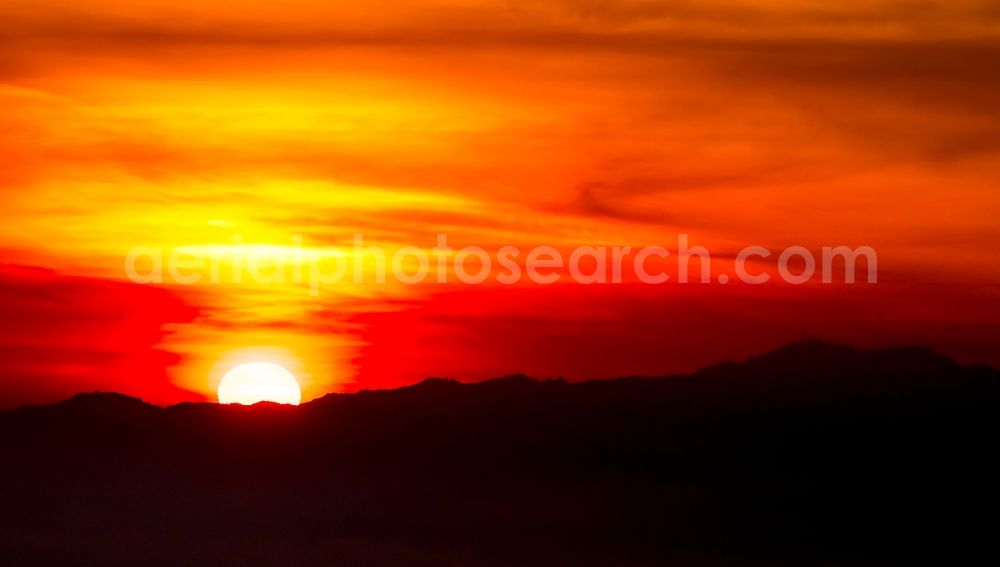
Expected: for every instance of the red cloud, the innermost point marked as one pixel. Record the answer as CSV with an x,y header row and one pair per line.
x,y
60,335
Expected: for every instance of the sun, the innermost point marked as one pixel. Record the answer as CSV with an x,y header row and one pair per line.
x,y
254,382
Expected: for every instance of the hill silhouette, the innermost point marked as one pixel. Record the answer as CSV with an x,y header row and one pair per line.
x,y
813,454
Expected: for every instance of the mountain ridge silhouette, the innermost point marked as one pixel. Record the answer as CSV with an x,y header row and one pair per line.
x,y
799,360
812,454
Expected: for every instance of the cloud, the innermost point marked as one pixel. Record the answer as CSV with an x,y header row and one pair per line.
x,y
444,21
173,123
602,332
60,335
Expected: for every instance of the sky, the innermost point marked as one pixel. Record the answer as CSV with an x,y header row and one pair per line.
x,y
237,130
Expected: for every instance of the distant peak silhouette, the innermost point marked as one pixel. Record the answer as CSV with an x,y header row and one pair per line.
x,y
798,365
98,398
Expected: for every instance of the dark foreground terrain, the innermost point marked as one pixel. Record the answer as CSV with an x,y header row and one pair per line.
x,y
811,455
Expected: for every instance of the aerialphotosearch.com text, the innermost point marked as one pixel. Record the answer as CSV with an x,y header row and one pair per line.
x,y
363,263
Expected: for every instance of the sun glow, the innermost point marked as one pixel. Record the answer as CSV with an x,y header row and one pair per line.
x,y
254,382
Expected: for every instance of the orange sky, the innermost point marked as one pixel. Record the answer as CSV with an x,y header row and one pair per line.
x,y
559,122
